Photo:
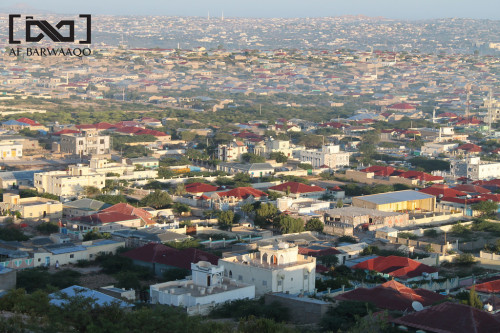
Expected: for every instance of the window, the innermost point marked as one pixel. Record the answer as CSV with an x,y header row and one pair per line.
x,y
264,282
101,142
279,282
39,259
240,277
71,255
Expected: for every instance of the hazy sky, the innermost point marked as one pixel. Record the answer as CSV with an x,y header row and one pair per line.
x,y
401,9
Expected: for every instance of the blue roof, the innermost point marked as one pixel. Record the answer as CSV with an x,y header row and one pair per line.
x,y
58,298
14,122
398,196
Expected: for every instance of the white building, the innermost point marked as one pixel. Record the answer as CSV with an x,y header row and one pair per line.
x,y
10,149
329,155
68,183
274,268
281,146
473,168
207,287
89,142
231,151
434,149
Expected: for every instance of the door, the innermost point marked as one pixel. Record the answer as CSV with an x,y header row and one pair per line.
x,y
47,261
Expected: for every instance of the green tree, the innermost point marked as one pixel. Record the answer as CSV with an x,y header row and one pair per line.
x,y
465,259
474,299
345,315
289,225
180,189
12,234
128,280
47,228
329,260
265,214
158,199
247,208
91,191
487,208
94,234
225,220
315,224
252,158
173,274
180,208
278,156
340,203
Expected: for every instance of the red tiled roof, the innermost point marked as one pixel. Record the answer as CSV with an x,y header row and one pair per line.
x,y
66,131
28,121
125,208
392,295
471,188
105,217
451,318
296,188
395,266
420,175
162,254
490,287
485,183
443,191
447,115
383,171
242,193
470,147
200,188
469,201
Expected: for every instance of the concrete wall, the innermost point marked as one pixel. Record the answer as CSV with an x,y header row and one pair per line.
x,y
369,178
302,310
7,279
489,256
439,248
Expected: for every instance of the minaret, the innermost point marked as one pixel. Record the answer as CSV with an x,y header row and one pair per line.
x,y
208,16
222,17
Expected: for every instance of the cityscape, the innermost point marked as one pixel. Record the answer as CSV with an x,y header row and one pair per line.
x,y
228,173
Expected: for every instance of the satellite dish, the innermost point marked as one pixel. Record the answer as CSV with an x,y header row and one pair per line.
x,y
417,306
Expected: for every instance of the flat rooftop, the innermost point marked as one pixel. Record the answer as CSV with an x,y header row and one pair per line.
x,y
393,197
359,211
187,286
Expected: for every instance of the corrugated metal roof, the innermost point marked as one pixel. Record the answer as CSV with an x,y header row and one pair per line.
x,y
398,196
68,249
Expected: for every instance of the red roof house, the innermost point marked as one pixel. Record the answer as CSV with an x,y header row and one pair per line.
x,y
470,188
160,257
383,171
242,193
442,190
490,287
451,318
127,209
401,268
28,121
298,189
470,148
198,188
392,295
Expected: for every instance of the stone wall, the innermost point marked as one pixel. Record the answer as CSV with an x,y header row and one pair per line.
x,y
303,310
